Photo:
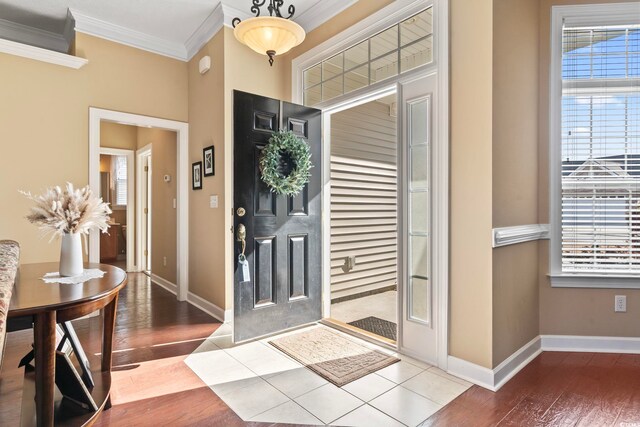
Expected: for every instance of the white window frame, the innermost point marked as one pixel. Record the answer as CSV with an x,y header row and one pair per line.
x,y
578,15
389,16
116,182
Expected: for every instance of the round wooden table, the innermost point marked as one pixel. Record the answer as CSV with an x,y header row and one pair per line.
x,y
48,304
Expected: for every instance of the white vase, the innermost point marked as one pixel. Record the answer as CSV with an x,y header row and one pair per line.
x,y
71,255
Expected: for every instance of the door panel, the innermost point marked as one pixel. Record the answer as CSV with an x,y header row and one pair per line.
x,y
419,337
283,246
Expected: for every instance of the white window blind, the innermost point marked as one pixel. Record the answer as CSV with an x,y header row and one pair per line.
x,y
121,180
601,150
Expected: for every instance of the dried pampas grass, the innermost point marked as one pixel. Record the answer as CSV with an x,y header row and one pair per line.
x,y
70,210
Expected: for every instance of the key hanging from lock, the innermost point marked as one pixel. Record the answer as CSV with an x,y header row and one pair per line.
x,y
243,264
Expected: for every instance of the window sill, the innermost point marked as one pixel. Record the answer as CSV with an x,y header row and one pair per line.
x,y
119,208
594,282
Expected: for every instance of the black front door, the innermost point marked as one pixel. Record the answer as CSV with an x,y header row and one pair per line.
x,y
283,234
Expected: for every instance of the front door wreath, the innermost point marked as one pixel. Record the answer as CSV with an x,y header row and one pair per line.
x,y
285,163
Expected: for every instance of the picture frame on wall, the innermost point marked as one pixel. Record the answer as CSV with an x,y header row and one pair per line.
x,y
209,161
196,175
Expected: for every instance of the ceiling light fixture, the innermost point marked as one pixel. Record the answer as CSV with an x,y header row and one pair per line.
x,y
269,35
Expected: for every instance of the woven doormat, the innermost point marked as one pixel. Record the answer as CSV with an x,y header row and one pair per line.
x,y
333,356
378,326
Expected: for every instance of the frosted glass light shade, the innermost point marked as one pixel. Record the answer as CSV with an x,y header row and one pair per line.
x,y
266,34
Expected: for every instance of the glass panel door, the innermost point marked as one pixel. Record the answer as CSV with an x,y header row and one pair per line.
x,y
419,338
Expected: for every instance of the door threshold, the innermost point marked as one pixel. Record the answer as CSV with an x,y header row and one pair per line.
x,y
360,333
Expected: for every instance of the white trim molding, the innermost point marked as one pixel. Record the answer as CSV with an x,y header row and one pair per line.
x,y
164,283
505,236
205,32
221,15
591,344
321,12
106,30
183,179
225,316
594,282
494,379
43,55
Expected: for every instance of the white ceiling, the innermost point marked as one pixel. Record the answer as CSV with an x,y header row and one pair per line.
x,y
174,21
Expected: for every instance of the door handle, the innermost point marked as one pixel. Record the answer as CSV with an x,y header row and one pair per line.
x,y
241,236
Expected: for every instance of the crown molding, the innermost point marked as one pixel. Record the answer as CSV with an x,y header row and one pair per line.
x,y
205,32
321,12
24,34
119,34
231,12
40,54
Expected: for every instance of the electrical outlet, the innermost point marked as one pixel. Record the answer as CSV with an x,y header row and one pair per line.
x,y
164,261
621,304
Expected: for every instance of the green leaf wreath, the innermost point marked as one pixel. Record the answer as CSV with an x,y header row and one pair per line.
x,y
286,143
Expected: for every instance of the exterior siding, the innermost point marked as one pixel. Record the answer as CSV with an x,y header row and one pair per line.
x,y
363,199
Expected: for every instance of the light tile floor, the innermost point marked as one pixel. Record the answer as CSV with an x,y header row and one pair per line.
x,y
260,383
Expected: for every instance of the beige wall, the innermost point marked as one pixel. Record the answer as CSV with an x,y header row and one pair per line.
x,y
515,172
207,232
116,135
572,311
164,245
44,128
470,331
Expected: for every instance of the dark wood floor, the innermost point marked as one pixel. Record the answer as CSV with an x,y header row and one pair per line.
x,y
151,384
556,389
153,387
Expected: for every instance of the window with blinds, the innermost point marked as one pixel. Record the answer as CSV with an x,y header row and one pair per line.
x,y
600,150
120,174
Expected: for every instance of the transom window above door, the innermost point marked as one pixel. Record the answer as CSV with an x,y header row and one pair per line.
x,y
391,52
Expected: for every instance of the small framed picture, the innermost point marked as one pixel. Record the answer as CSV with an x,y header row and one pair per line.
x,y
209,161
196,175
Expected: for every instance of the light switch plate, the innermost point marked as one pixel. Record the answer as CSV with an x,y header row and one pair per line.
x,y
213,201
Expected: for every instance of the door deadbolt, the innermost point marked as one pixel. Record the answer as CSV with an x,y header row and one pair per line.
x,y
241,212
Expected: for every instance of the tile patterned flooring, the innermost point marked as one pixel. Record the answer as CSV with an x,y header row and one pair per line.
x,y
260,383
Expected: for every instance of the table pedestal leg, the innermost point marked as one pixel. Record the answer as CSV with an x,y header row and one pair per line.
x,y
45,352
109,320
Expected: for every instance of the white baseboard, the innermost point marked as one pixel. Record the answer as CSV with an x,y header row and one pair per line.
x,y
591,344
518,360
471,372
493,379
209,308
196,301
164,283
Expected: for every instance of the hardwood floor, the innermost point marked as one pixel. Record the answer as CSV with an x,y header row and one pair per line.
x,y
555,389
152,385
